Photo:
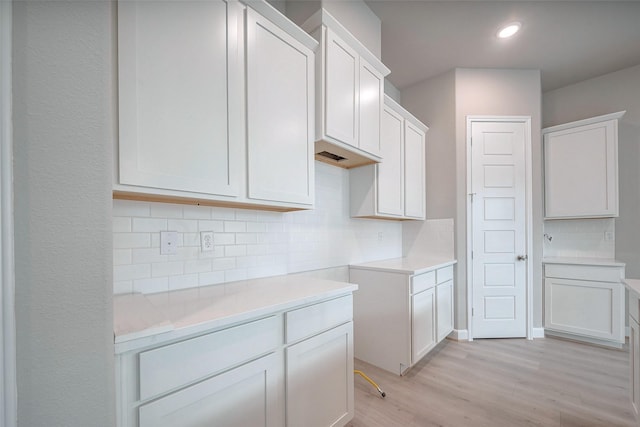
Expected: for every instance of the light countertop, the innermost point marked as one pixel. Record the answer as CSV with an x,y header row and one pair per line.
x,y
603,262
188,311
632,284
409,265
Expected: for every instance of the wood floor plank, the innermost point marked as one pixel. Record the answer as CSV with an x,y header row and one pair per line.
x,y
508,382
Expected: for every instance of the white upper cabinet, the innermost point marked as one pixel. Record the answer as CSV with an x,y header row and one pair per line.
x,y
581,168
395,187
216,105
350,89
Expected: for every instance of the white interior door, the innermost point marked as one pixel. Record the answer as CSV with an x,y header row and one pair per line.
x,y
498,229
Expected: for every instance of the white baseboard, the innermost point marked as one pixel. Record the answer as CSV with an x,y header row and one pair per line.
x,y
459,335
538,333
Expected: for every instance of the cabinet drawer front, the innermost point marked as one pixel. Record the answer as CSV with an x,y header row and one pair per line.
x,y
444,274
584,272
316,318
423,281
634,306
169,367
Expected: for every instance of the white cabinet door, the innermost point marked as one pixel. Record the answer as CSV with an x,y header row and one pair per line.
x,y
280,102
423,324
581,171
249,395
175,72
341,90
370,93
389,173
586,308
319,378
414,173
444,308
634,364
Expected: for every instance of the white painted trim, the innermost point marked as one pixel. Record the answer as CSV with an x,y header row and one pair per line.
x,y
8,390
584,122
529,217
459,335
538,332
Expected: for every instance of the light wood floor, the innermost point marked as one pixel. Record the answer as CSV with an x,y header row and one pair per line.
x,y
495,383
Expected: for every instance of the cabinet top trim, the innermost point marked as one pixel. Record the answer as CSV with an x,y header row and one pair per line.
x,y
322,17
390,102
584,122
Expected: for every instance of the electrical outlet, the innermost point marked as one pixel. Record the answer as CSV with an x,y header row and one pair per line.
x,y
206,241
168,242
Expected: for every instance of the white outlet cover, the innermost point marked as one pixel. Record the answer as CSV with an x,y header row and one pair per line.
x,y
168,242
206,241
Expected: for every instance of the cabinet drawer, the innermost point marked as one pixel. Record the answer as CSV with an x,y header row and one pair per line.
x,y
634,306
584,272
169,367
444,274
316,318
423,281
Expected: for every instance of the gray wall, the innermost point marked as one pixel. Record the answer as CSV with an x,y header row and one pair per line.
x,y
602,95
63,132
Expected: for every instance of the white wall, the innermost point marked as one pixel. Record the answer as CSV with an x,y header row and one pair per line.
x,y
63,133
356,17
601,95
248,243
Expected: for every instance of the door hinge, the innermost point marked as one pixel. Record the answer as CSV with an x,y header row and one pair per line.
x,y
473,312
471,254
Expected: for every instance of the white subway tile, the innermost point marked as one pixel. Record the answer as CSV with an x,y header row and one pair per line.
x,y
224,264
217,226
121,224
131,208
246,238
121,256
131,240
185,253
235,275
173,268
256,249
223,213
211,278
150,286
235,227
256,227
224,239
267,216
165,210
217,252
184,225
131,272
123,287
197,212
235,250
183,282
149,225
191,239
197,266
246,215
147,255
155,240
246,262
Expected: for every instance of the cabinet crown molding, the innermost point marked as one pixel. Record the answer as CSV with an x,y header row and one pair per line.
x,y
589,121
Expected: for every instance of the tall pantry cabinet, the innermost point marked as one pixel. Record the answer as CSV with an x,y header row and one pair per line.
x,y
216,103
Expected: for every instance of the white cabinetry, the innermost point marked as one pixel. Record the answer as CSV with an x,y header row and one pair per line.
x,y
581,168
633,286
394,188
291,368
398,311
349,88
585,302
208,112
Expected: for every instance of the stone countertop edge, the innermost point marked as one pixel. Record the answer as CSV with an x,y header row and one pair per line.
x,y
409,265
138,316
633,285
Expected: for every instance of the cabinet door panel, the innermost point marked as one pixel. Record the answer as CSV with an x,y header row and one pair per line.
x,y
444,308
320,379
370,108
634,364
280,99
341,86
414,165
173,96
246,396
423,324
389,172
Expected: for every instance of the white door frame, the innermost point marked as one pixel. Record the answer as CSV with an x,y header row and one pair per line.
x,y
526,120
8,391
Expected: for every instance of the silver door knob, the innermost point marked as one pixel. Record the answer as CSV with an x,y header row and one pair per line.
x,y
522,257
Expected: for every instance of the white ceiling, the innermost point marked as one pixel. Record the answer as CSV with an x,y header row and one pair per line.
x,y
569,41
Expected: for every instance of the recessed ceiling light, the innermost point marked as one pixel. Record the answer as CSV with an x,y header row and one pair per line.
x,y
509,30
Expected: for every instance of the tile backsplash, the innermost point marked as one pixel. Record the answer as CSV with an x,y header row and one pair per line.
x,y
592,238
247,243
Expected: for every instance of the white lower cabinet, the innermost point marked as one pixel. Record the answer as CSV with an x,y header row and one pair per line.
x,y
400,316
634,364
292,368
585,302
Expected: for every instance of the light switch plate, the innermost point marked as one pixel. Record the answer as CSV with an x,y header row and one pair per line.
x,y
206,241
168,242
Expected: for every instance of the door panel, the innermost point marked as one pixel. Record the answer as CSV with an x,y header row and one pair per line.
x,y
498,229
